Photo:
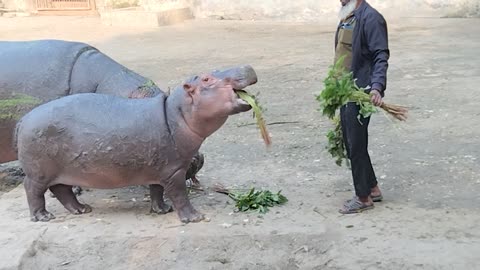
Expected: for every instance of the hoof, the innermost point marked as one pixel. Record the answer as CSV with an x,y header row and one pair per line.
x,y
43,216
77,190
192,217
83,209
161,210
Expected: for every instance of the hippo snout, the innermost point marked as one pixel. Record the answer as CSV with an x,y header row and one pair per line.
x,y
240,76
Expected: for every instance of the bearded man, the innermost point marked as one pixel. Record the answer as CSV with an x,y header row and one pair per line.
x,y
362,40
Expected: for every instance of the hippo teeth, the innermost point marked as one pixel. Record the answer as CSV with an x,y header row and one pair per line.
x,y
241,101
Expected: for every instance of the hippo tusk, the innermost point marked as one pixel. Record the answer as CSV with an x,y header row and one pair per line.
x,y
241,101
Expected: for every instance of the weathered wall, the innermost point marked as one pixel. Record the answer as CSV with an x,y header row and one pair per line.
x,y
313,10
20,5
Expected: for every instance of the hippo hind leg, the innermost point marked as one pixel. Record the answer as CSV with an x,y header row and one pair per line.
x,y
76,190
36,199
158,204
66,196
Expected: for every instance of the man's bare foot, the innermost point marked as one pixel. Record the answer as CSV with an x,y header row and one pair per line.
x,y
376,194
375,191
366,200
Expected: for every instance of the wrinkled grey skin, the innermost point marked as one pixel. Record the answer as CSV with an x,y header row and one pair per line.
x,y
49,69
195,166
105,141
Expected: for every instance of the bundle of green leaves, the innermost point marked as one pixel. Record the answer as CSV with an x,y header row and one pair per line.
x,y
340,88
335,145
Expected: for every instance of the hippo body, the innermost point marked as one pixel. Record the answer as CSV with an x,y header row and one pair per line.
x,y
49,69
104,141
45,70
97,134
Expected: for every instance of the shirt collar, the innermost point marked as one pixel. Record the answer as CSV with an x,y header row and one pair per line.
x,y
358,12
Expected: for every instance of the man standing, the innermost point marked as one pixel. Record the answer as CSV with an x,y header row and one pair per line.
x,y
362,40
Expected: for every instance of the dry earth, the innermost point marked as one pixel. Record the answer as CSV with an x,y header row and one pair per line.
x,y
428,167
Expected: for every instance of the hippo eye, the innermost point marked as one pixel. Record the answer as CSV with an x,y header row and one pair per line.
x,y
206,79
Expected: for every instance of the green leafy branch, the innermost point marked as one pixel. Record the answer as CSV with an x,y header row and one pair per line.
x,y
339,89
252,199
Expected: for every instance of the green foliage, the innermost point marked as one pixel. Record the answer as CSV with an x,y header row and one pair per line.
x,y
257,113
340,88
335,145
257,200
11,107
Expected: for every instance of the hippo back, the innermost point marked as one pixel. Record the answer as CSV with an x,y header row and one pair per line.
x,y
40,69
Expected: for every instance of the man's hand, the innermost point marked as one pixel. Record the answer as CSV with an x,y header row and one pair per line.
x,y
376,98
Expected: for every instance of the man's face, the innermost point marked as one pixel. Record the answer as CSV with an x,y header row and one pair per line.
x,y
348,6
344,2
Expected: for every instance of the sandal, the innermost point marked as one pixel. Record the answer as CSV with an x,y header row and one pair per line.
x,y
355,206
377,198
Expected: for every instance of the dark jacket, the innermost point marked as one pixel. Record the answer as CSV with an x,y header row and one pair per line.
x,y
369,48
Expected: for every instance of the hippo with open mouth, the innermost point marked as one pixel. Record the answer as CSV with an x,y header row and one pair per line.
x,y
105,141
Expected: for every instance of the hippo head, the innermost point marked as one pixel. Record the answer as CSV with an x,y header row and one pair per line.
x,y
213,94
210,98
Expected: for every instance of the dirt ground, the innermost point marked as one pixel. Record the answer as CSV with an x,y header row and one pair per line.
x,y
428,167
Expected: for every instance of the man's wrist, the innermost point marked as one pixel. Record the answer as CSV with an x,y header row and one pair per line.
x,y
378,87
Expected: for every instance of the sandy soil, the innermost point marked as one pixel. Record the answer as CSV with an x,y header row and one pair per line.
x,y
427,167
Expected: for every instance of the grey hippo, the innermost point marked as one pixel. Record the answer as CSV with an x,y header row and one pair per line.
x,y
104,141
38,71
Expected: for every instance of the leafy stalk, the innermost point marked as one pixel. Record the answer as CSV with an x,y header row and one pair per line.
x,y
251,100
339,89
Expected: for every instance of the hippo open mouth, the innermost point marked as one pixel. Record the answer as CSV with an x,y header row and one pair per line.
x,y
239,98
240,77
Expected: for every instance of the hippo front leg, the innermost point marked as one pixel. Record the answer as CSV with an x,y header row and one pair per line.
x,y
176,190
158,204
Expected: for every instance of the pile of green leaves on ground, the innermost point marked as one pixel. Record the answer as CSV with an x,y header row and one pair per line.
x,y
252,199
257,200
339,89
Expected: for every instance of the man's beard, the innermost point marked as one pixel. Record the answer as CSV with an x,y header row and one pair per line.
x,y
347,9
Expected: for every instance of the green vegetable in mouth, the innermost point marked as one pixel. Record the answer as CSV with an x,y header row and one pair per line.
x,y
252,101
